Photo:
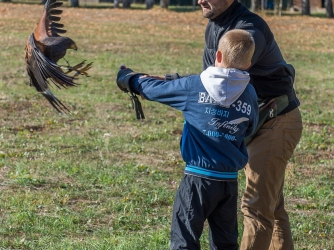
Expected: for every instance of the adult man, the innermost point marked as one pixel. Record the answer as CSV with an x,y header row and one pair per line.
x,y
266,223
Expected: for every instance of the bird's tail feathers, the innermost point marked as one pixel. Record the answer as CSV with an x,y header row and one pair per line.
x,y
55,102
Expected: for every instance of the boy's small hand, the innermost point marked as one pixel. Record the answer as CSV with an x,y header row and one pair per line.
x,y
123,76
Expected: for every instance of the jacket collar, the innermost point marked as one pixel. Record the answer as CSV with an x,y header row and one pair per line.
x,y
227,13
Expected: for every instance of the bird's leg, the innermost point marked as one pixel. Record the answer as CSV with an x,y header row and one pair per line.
x,y
80,69
68,64
68,67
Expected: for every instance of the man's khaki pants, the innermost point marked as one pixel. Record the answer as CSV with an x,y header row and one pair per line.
x,y
266,223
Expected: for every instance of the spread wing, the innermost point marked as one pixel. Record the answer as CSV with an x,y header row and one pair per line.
x,y
40,69
47,25
43,49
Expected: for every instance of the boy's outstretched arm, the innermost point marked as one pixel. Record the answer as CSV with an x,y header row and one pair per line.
x,y
173,93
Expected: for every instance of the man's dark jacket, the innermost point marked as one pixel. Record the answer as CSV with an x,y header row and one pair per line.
x,y
270,75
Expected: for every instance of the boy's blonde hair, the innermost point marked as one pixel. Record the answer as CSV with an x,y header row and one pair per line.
x,y
237,47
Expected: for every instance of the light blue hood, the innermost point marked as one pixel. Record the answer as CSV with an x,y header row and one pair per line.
x,y
224,85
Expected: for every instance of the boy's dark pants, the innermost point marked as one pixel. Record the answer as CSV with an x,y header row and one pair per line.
x,y
198,199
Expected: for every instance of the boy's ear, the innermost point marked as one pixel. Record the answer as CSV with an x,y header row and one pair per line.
x,y
250,63
219,56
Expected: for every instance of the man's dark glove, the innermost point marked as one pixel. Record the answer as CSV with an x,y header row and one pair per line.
x,y
124,76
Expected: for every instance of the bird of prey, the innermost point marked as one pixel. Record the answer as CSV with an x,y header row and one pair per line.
x,y
43,50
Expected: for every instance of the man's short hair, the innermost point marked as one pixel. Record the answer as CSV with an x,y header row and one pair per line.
x,y
237,47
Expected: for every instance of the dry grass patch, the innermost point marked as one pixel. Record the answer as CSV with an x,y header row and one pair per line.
x,y
98,177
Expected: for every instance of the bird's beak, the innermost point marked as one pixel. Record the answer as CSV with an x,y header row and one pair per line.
x,y
73,46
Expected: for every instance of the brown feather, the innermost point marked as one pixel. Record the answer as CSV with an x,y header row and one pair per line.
x,y
43,50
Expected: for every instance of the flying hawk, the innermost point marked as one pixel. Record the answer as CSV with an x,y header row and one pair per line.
x,y
43,50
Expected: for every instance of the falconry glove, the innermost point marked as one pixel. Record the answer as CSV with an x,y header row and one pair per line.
x,y
269,108
123,82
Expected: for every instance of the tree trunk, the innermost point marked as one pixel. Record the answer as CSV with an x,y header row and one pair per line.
x,y
126,4
74,3
329,8
255,5
278,7
164,4
149,4
116,3
194,5
306,7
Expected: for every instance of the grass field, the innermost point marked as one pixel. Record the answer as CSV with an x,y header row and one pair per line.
x,y
100,179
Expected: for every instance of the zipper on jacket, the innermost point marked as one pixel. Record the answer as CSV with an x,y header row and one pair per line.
x,y
215,45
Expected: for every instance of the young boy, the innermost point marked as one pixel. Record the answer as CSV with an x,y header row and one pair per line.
x,y
220,109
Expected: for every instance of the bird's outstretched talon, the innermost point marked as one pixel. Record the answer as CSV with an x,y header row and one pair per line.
x,y
70,68
83,70
79,69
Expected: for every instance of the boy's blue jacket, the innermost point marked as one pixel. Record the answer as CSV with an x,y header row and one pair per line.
x,y
219,107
